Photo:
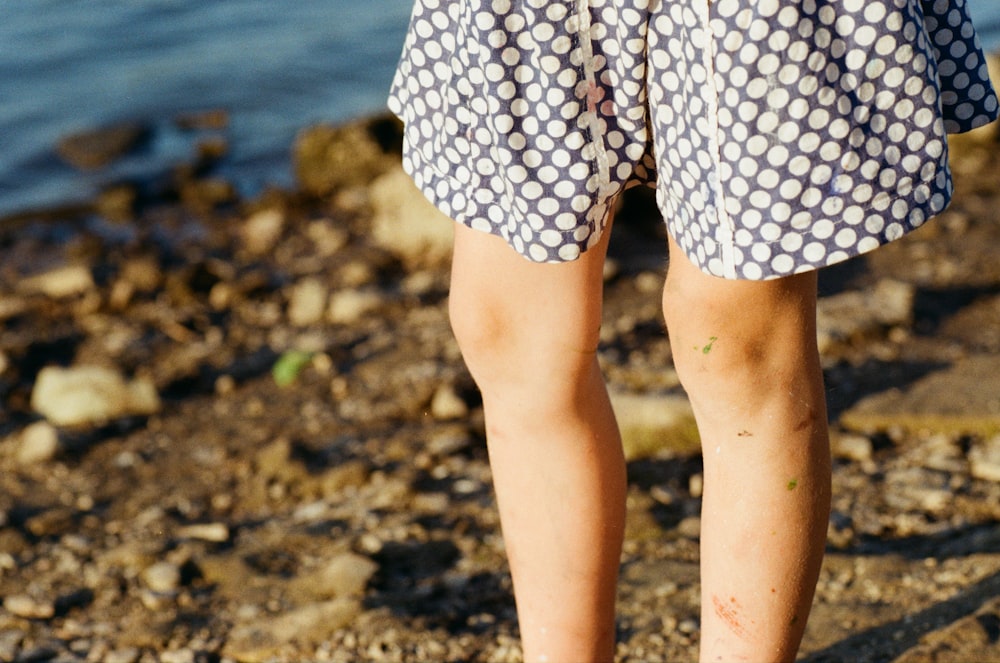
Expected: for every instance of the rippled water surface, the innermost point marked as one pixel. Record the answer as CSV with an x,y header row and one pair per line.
x,y
67,65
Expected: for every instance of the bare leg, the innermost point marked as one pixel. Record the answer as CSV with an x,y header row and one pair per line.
x,y
529,335
746,354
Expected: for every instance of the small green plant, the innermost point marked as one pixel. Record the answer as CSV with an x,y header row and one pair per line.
x,y
289,365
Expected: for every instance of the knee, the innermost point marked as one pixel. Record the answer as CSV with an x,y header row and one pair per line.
x,y
739,337
504,347
481,332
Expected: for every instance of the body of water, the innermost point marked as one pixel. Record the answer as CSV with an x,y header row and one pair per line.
x,y
67,65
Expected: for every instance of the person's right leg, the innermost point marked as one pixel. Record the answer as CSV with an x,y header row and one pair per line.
x,y
529,334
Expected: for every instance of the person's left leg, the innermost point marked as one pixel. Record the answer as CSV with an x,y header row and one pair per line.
x,y
746,355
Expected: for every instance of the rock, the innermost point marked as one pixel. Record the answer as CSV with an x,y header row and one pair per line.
x,y
214,532
27,607
4,362
327,239
447,404
329,158
984,459
961,399
344,576
91,395
96,148
210,119
162,577
406,223
350,474
690,527
10,644
262,230
261,639
124,655
307,302
349,306
971,638
61,282
852,315
184,655
652,424
117,202
39,443
852,447
142,273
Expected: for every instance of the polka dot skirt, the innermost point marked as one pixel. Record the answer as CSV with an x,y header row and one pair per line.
x,y
780,135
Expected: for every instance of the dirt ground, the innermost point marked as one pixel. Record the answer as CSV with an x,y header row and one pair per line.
x,y
310,481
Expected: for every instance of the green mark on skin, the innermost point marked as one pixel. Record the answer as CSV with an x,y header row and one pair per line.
x,y
793,484
708,348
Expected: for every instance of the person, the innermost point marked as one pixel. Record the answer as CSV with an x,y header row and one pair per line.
x,y
781,136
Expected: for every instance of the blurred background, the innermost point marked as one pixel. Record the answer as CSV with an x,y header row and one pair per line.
x,y
68,66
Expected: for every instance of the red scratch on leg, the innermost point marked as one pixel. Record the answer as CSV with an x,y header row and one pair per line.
x,y
730,615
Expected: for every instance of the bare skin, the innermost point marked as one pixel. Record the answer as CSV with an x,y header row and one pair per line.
x,y
757,394
746,355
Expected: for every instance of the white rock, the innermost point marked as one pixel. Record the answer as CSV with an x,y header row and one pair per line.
x,y
64,281
215,532
263,230
24,606
345,575
39,443
349,306
307,302
125,655
162,577
406,223
60,282
184,655
90,395
852,447
446,404
984,460
655,423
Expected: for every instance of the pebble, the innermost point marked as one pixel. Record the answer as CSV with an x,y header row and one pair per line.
x,y
654,423
10,644
39,443
345,575
307,302
178,656
852,447
984,459
27,607
406,223
214,532
124,655
90,395
349,306
447,404
61,282
690,527
162,577
262,230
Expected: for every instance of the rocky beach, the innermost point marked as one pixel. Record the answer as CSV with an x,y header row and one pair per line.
x,y
238,429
